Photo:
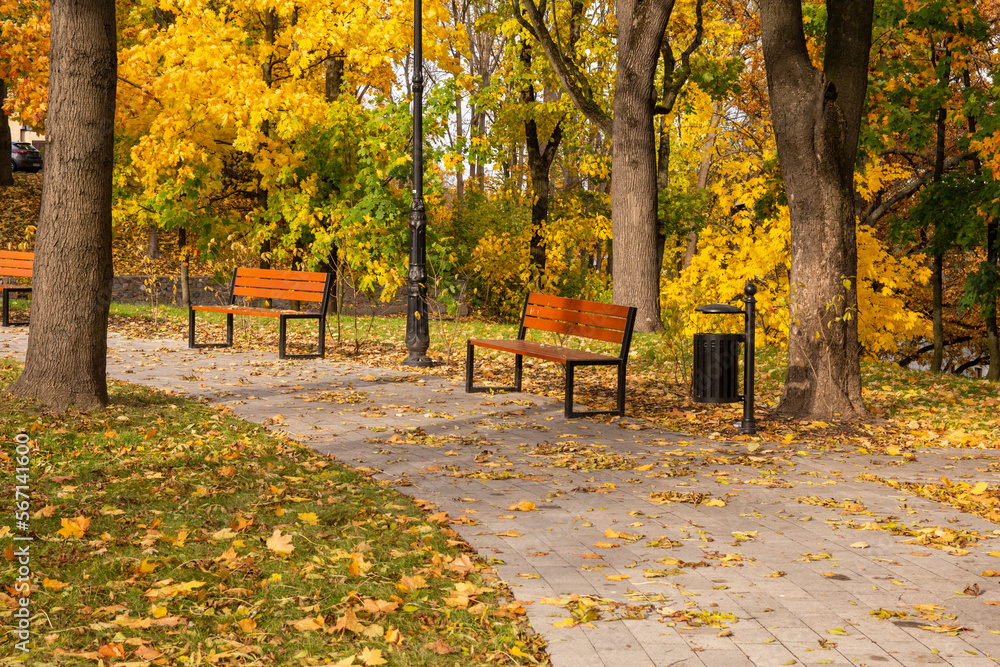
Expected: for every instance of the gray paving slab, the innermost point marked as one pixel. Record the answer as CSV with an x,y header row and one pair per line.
x,y
784,570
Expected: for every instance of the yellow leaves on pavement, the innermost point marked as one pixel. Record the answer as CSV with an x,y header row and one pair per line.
x,y
522,506
508,533
74,527
280,544
616,577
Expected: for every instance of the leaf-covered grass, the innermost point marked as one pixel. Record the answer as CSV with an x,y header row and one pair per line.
x,y
169,532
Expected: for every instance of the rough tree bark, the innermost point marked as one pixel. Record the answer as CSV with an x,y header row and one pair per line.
x,y
6,177
817,119
67,347
539,164
642,26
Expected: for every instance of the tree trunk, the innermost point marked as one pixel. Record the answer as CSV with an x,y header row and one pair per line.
x,y
152,242
182,251
817,119
704,169
6,177
459,135
992,335
66,358
937,312
633,153
540,164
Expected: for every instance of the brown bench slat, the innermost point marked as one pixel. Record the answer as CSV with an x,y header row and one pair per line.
x,y
579,304
543,351
571,329
578,316
279,274
15,272
247,310
289,295
299,285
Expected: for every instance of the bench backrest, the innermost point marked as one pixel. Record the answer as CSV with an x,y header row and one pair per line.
x,y
16,263
576,317
307,286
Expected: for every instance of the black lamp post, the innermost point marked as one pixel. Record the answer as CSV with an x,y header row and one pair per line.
x,y
418,337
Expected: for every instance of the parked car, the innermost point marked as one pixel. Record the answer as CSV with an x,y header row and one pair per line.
x,y
24,157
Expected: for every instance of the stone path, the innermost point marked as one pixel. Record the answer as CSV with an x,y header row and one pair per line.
x,y
772,566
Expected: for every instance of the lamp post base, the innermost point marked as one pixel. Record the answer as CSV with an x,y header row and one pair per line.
x,y
419,361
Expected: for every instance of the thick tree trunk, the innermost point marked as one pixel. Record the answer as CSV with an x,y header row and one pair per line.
x,y
67,348
633,153
6,177
817,118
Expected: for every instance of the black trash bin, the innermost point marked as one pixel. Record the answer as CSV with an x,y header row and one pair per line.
x,y
716,368
716,377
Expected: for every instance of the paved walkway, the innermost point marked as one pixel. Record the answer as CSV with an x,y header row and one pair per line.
x,y
782,561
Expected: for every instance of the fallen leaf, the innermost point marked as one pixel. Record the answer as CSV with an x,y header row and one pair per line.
x,y
522,506
280,544
74,527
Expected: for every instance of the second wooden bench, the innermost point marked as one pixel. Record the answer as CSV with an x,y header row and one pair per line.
x,y
568,317
14,264
311,287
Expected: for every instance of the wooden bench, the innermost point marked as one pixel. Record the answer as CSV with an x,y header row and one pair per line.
x,y
571,317
14,264
312,287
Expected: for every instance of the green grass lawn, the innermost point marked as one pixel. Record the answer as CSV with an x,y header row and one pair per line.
x,y
168,532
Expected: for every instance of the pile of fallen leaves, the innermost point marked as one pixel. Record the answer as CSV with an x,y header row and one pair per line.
x,y
167,532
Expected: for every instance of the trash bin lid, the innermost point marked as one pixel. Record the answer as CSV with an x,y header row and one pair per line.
x,y
718,308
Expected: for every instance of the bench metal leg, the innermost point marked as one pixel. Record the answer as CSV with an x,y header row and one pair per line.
x,y
470,388
229,332
5,319
620,394
282,328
